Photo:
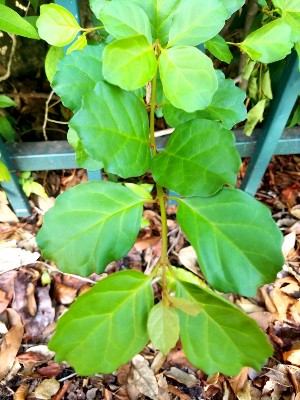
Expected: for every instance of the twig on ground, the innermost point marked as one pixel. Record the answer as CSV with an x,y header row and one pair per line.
x,y
12,53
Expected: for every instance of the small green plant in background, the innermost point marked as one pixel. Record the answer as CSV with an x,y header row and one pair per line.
x,y
29,186
238,245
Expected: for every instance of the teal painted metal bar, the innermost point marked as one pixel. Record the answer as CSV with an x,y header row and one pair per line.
x,y
13,190
281,107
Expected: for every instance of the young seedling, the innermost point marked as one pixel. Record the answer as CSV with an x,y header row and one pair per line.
x,y
153,44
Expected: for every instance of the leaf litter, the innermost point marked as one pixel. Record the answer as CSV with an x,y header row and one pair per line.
x,y
33,294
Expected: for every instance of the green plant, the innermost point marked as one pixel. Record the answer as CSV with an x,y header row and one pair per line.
x,y
237,243
29,186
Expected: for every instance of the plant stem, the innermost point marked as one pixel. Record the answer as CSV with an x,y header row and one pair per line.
x,y
152,114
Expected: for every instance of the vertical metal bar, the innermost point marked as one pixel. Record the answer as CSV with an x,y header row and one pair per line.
x,y
280,110
13,190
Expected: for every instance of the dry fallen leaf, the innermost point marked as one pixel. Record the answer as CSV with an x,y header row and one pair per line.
x,y
6,214
13,258
143,378
46,389
11,343
189,380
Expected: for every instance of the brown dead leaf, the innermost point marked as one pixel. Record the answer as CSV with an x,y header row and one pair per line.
x,y
289,242
163,390
189,380
142,244
11,343
21,392
293,355
295,211
238,382
46,389
290,195
6,214
12,258
286,306
143,377
6,289
50,371
177,392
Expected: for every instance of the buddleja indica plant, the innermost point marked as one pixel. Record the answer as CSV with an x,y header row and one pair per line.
x,y
152,44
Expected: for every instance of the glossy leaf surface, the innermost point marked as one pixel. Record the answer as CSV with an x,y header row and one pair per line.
x,y
290,11
106,326
123,19
232,6
219,48
91,225
227,106
219,333
200,157
270,43
78,74
129,63
118,122
12,22
163,327
196,21
238,244
57,25
160,14
83,160
188,78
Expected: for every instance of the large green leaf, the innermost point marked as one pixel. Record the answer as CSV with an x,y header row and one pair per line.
x,y
12,22
290,11
123,19
270,43
97,5
227,106
83,160
232,6
255,115
78,74
200,157
57,25
163,327
238,244
160,14
113,127
219,48
196,21
188,77
221,338
106,326
129,63
91,225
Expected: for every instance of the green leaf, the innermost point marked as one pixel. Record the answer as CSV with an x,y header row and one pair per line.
x,y
297,48
163,327
35,188
91,225
106,326
195,22
123,19
188,77
57,25
160,14
6,129
225,333
78,74
4,172
219,48
200,157
238,244
139,190
83,160
255,115
96,6
232,6
54,55
189,307
6,101
12,22
227,106
270,43
79,44
249,67
129,63
118,122
296,118
290,12
35,4
266,83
